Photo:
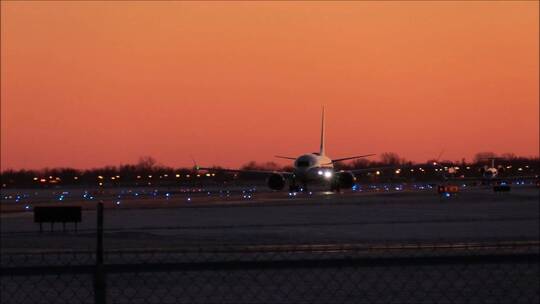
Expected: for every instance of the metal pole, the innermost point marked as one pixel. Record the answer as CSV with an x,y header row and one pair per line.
x,y
99,277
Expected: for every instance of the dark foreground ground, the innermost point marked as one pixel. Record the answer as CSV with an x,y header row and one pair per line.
x,y
399,247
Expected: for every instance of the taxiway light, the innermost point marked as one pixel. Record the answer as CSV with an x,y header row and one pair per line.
x,y
75,177
100,177
328,174
177,175
378,172
35,178
398,171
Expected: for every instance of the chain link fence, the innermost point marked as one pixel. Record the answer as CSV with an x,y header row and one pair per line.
x,y
417,273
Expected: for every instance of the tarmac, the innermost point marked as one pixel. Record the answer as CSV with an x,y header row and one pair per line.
x,y
268,218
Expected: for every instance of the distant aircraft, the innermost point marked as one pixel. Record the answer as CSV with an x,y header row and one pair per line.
x,y
313,167
491,175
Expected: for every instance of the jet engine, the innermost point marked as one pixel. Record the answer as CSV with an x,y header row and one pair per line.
x,y
276,181
345,179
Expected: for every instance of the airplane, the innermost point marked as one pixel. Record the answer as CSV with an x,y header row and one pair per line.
x,y
308,168
490,175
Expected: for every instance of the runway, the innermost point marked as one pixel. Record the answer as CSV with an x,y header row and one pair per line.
x,y
279,219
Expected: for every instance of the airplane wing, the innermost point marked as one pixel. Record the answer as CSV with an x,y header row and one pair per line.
x,y
394,167
364,170
352,157
285,157
244,171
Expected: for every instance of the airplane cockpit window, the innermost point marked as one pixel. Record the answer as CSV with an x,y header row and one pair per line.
x,y
302,163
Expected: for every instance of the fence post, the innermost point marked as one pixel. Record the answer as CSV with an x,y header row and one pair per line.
x,y
99,275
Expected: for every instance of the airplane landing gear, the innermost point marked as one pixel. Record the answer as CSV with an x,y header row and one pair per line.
x,y
335,187
293,187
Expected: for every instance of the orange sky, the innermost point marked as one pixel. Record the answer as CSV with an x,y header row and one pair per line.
x,y
88,84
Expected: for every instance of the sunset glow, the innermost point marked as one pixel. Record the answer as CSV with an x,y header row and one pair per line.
x,y
88,84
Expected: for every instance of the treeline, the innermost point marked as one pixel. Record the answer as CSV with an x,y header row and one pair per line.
x,y
148,173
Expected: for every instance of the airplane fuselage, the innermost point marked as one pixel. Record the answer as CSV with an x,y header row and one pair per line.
x,y
313,167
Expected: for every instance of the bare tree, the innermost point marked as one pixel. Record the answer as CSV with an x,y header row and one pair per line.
x,y
146,163
509,156
390,158
268,166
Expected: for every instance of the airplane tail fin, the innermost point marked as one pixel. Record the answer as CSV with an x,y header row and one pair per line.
x,y
322,150
195,166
